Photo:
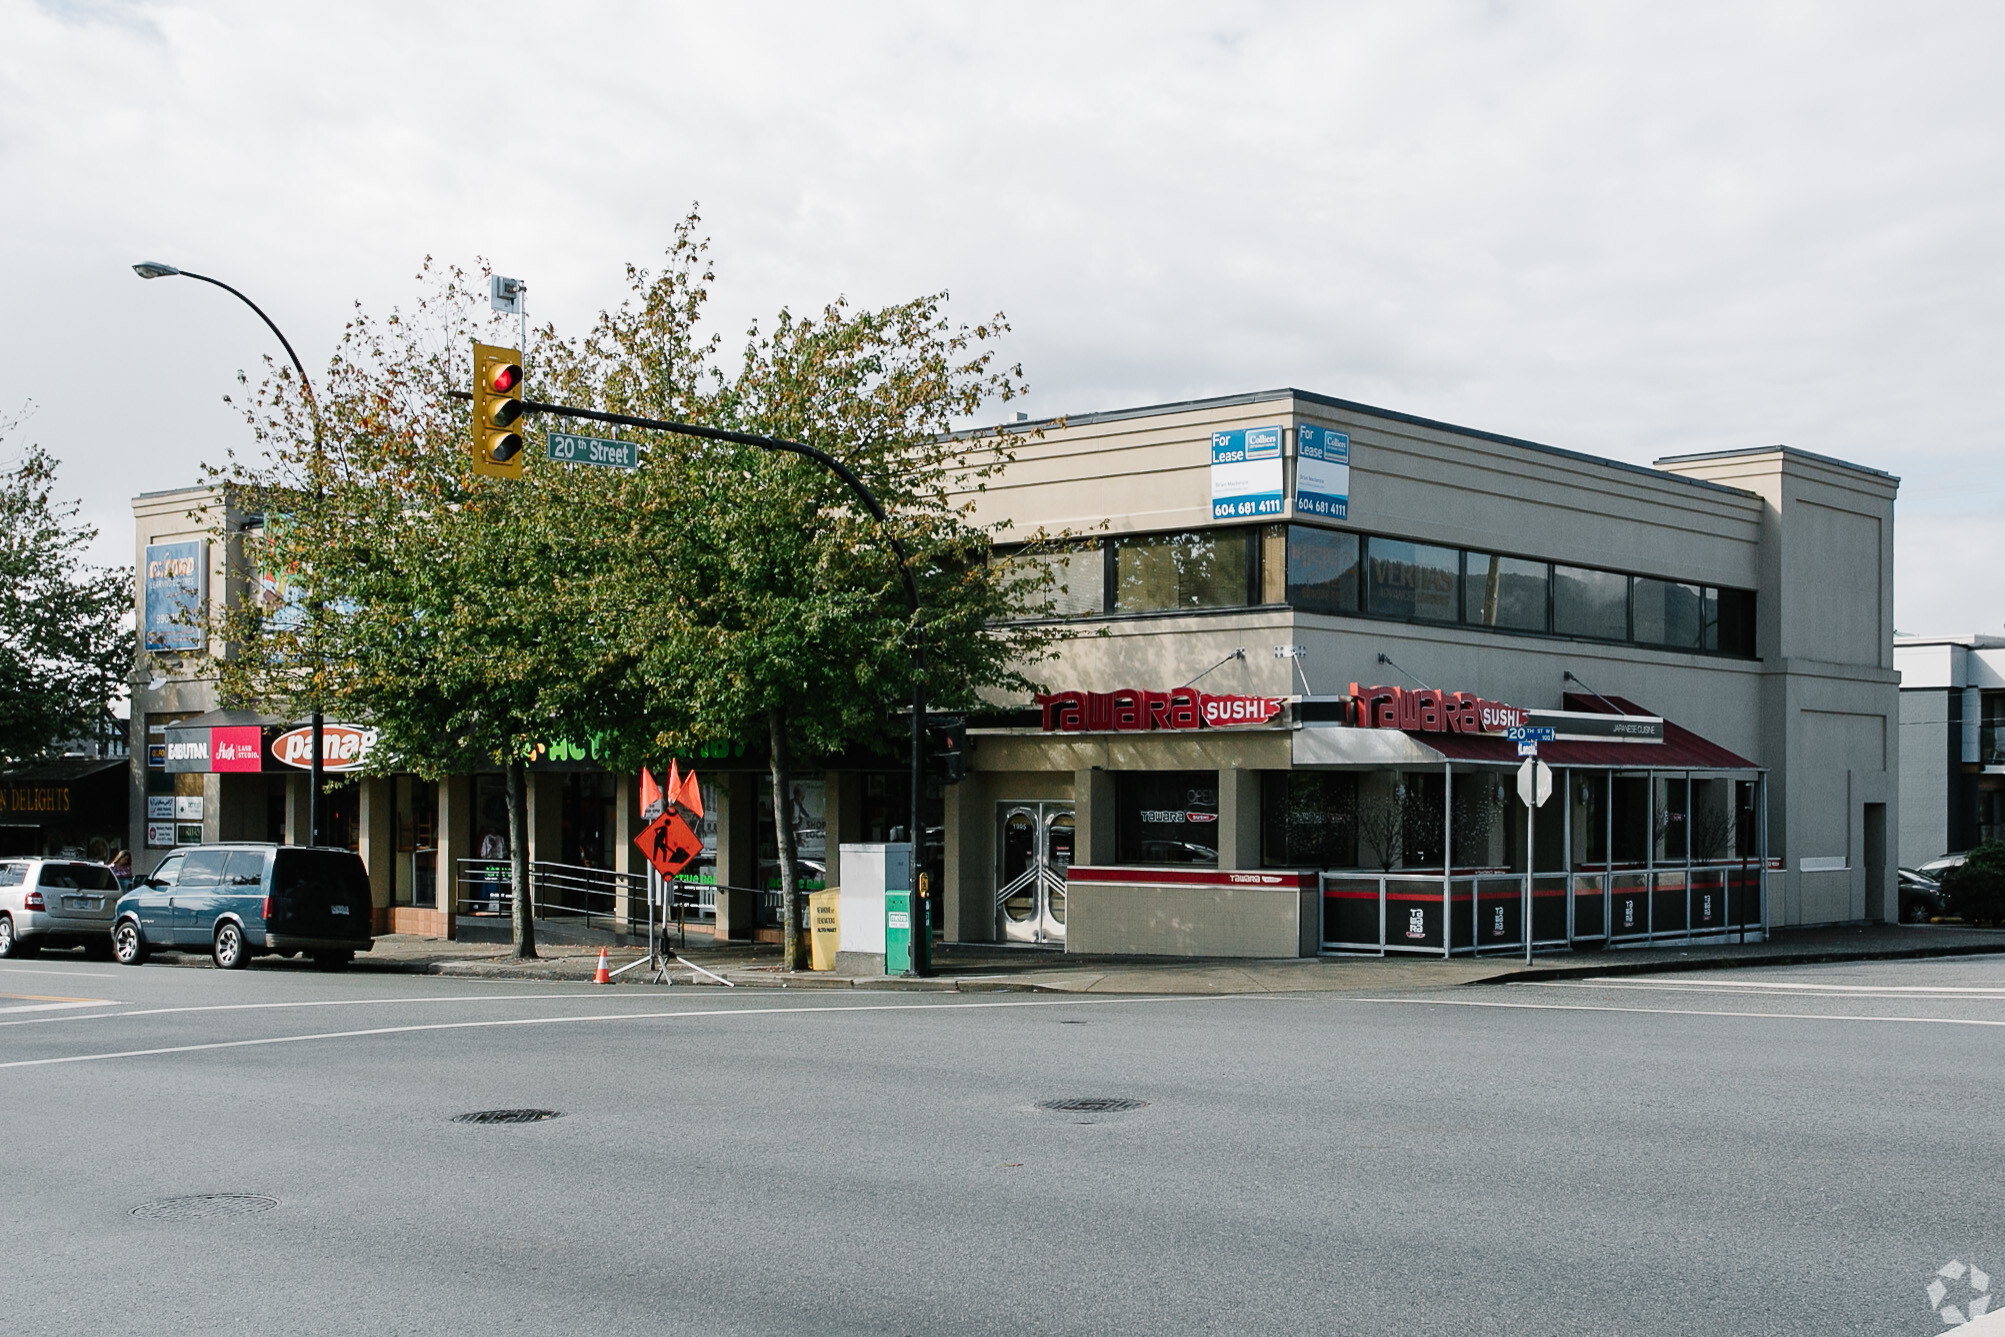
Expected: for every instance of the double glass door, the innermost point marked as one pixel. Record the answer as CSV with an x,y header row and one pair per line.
x,y
1033,851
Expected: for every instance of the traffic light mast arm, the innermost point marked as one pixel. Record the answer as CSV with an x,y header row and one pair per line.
x,y
870,502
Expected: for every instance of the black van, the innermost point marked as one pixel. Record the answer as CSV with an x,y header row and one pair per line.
x,y
236,901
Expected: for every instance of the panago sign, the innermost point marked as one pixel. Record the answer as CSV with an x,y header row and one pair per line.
x,y
1429,711
1135,711
342,747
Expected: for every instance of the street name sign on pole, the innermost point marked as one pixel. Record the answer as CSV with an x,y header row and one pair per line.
x,y
1534,788
570,448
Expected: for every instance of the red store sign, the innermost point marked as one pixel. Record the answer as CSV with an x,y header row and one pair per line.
x,y
1430,711
1133,711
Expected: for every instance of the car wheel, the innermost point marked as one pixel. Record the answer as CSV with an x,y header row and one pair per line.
x,y
332,960
230,950
11,944
127,947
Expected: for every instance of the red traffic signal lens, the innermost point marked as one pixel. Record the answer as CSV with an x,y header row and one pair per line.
x,y
504,378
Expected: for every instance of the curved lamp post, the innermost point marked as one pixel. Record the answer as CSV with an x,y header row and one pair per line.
x,y
153,269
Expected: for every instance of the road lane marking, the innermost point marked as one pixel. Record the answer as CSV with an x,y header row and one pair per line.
x,y
78,974
1672,1011
1747,988
41,1002
611,1016
318,1002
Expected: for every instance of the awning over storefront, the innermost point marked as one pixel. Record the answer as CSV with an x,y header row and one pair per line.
x,y
1681,749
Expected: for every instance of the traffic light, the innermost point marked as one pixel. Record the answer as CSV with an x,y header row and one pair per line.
x,y
497,407
948,739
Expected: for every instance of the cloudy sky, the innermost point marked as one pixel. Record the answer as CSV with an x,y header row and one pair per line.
x,y
1629,229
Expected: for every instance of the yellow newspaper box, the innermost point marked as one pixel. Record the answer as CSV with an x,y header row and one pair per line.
x,y
824,919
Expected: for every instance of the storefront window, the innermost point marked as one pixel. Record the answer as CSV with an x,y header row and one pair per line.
x,y
1206,568
1671,818
1590,603
1309,819
1078,581
1668,613
1166,817
1991,730
810,803
1412,580
1505,592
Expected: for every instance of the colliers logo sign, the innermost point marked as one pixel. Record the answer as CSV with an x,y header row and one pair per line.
x,y
342,747
1134,711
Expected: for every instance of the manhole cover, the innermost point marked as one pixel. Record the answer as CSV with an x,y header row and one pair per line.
x,y
507,1116
198,1206
1092,1104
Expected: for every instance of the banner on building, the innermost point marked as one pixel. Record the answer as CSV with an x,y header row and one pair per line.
x,y
1322,472
1246,473
173,580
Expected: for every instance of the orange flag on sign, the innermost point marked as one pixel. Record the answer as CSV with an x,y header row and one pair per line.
x,y
650,797
689,794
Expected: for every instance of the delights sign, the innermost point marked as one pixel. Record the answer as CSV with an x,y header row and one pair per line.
x,y
1430,711
1135,711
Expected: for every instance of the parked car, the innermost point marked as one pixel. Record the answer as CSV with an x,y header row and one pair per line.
x,y
1935,868
55,903
1921,896
236,901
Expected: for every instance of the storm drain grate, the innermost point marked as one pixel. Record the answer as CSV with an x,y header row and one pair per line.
x,y
200,1206
1091,1104
507,1116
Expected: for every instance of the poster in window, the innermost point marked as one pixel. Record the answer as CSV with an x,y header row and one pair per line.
x,y
1246,473
1322,472
175,577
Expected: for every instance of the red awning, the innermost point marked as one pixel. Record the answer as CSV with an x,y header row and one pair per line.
x,y
1681,750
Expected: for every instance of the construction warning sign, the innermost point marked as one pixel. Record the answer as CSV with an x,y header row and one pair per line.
x,y
669,844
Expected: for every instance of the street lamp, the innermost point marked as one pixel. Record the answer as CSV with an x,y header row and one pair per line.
x,y
153,269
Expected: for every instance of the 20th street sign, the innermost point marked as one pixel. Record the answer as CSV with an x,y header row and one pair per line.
x,y
570,448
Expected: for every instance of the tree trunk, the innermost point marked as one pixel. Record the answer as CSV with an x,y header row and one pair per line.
x,y
523,913
793,942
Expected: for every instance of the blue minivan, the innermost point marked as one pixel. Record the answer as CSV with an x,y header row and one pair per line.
x,y
236,901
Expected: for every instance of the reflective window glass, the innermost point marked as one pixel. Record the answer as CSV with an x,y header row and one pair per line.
x,y
1067,582
1590,603
1505,592
1309,819
1412,580
1166,817
1322,570
1204,568
1667,613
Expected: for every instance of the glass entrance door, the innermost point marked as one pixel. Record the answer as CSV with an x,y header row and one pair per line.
x,y
1033,851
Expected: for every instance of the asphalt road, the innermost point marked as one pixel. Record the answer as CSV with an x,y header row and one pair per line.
x,y
1774,1152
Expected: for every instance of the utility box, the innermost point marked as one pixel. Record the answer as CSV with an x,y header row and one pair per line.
x,y
868,871
899,927
824,928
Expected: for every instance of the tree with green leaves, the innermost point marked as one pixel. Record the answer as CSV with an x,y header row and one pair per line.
x,y
719,592
66,643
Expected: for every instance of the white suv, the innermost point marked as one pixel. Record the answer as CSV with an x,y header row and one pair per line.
x,y
56,903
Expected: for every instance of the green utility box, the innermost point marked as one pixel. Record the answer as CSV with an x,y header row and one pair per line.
x,y
899,930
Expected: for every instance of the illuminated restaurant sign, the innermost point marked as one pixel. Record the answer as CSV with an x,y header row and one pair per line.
x,y
1133,711
1429,711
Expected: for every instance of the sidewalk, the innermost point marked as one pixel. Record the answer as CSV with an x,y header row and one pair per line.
x,y
980,968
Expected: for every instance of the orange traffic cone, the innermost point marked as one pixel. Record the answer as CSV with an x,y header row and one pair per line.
x,y
601,975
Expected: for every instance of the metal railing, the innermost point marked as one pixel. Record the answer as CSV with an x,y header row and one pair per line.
x,y
1484,912
595,897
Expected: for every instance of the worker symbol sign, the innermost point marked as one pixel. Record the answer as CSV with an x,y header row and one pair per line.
x,y
669,844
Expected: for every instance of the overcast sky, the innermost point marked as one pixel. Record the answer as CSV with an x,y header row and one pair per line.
x,y
1633,230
